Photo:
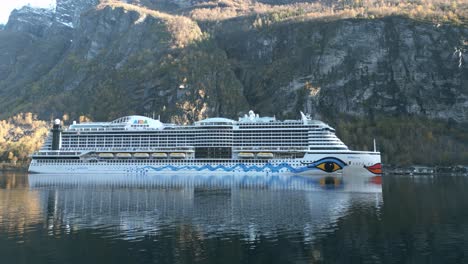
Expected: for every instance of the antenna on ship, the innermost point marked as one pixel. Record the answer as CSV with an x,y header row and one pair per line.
x,y
375,146
304,117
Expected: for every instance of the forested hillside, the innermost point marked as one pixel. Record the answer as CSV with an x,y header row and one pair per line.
x,y
20,136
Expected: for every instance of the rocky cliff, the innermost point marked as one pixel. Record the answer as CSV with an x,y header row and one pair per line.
x,y
391,65
115,58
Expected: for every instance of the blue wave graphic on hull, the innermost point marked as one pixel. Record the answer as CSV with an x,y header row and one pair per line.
x,y
239,167
244,168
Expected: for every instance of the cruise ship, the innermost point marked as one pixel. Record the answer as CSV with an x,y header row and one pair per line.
x,y
250,145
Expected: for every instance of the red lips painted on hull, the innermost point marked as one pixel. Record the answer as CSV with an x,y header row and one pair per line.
x,y
376,168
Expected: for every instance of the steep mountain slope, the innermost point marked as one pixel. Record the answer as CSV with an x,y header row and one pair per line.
x,y
187,60
117,61
391,65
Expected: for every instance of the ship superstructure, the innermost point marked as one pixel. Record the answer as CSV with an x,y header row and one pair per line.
x,y
252,144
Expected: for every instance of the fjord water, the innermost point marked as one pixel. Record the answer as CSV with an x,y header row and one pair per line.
x,y
232,219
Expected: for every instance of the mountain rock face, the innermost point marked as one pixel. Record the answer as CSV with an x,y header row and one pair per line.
x,y
34,21
113,58
120,58
391,65
37,20
68,12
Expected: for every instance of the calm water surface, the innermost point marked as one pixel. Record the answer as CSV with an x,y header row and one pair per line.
x,y
232,219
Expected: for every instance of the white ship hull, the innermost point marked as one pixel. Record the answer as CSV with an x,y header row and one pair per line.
x,y
311,164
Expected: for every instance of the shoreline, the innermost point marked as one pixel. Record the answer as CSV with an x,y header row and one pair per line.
x,y
416,170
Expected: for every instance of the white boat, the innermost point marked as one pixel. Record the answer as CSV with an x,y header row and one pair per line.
x,y
177,155
251,144
106,155
141,155
246,155
123,155
159,155
265,155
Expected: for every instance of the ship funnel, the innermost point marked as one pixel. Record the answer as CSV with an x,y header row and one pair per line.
x,y
57,135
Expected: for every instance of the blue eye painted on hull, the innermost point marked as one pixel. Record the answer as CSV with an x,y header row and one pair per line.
x,y
328,164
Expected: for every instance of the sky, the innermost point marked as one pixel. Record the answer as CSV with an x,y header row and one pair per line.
x,y
6,6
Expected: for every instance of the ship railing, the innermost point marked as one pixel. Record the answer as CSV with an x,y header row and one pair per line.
x,y
169,149
57,153
112,128
276,149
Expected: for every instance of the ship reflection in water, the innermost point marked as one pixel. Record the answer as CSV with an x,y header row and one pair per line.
x,y
175,218
345,183
134,207
232,219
